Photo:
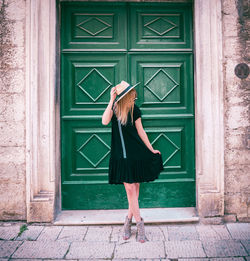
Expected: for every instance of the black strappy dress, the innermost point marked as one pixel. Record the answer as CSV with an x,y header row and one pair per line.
x,y
131,161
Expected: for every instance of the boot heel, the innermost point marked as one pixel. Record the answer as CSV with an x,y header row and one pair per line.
x,y
127,228
141,237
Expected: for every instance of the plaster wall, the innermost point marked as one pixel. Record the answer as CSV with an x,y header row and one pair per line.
x,y
12,110
236,49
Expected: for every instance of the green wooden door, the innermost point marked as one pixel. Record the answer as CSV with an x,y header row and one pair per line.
x,y
102,44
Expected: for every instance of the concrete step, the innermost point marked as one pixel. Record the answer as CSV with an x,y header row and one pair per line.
x,y
117,216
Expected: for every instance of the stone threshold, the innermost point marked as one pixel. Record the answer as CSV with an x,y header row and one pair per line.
x,y
117,216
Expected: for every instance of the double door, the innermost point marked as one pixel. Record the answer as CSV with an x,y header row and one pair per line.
x,y
102,44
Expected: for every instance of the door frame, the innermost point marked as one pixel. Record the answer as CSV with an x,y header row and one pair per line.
x,y
43,173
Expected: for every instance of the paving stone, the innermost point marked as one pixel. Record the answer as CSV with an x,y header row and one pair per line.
x,y
247,258
224,248
56,259
212,232
192,259
41,249
154,233
164,229
31,233
139,259
177,249
50,233
227,259
98,233
9,232
140,250
213,259
3,259
7,248
178,233
246,244
25,259
72,233
239,230
90,250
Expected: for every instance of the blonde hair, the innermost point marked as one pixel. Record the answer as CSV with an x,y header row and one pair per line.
x,y
124,106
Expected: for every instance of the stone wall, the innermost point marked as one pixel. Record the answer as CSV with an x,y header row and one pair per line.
x,y
12,110
236,29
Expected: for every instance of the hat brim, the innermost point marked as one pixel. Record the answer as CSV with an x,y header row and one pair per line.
x,y
127,90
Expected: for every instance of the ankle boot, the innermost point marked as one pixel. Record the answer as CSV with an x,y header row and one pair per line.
x,y
127,228
141,231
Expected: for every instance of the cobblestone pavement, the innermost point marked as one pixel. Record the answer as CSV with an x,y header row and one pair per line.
x,y
189,242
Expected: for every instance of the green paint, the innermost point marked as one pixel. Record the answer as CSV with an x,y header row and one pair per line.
x,y
102,44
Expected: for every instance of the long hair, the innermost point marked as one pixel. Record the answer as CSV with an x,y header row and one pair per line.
x,y
124,106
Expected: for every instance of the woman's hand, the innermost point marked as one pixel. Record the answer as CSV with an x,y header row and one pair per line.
x,y
156,151
112,94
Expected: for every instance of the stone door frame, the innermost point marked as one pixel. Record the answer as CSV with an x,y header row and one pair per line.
x,y
43,173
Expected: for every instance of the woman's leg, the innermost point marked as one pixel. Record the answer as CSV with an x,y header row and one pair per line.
x,y
132,195
130,213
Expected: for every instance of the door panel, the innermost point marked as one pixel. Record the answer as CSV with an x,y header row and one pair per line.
x,y
166,82
88,78
97,52
94,26
160,26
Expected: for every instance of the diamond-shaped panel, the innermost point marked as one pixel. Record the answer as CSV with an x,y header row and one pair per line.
x,y
94,150
160,26
163,143
161,84
94,26
94,84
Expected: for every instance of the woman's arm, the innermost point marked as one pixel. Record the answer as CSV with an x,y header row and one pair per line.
x,y
108,113
143,135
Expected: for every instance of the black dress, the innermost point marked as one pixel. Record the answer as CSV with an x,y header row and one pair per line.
x,y
139,164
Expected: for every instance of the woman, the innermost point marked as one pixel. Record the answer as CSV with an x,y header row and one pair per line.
x,y
133,159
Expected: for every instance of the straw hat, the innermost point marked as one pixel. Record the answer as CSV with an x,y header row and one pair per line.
x,y
122,89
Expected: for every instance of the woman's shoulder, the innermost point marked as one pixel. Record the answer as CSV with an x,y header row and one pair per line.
x,y
137,112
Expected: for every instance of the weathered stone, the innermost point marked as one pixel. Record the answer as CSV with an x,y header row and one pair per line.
x,y
237,117
9,233
90,250
223,248
154,233
15,9
72,233
12,171
7,248
41,249
239,231
140,250
14,209
11,81
50,233
178,249
236,180
12,133
246,244
13,59
98,233
230,24
236,203
12,154
213,232
12,108
178,233
229,218
31,233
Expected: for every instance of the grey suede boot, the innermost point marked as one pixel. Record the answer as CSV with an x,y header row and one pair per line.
x,y
127,228
141,237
